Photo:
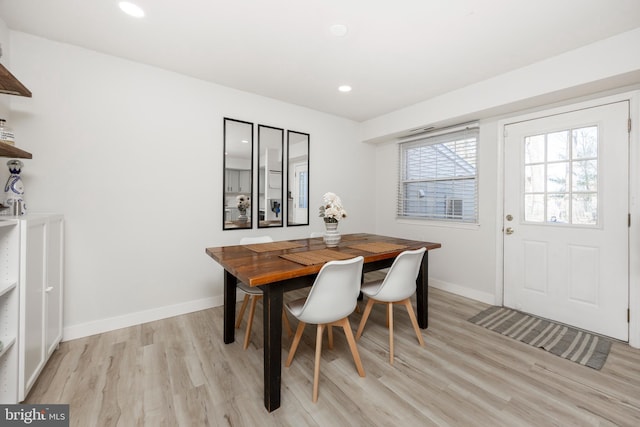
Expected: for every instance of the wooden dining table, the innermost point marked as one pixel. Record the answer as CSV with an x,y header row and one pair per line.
x,y
282,266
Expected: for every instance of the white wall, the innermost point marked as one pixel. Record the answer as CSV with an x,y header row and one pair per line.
x,y
470,260
5,60
600,66
465,264
132,156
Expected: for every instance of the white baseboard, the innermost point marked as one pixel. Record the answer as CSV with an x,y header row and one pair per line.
x,y
113,323
133,319
473,294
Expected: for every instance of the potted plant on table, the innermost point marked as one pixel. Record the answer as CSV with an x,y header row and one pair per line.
x,y
332,212
244,203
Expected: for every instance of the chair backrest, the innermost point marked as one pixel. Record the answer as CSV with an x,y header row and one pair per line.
x,y
400,281
334,293
257,239
317,234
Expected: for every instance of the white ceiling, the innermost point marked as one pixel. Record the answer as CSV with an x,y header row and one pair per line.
x,y
395,54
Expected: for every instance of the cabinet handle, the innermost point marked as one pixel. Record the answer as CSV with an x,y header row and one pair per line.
x,y
48,289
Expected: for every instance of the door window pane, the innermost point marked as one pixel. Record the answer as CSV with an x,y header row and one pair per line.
x,y
534,179
558,208
585,209
558,146
585,142
585,175
534,207
557,177
561,177
534,149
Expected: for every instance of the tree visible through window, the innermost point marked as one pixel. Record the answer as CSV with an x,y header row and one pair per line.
x,y
561,177
438,177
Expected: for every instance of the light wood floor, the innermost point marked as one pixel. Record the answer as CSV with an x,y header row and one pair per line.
x,y
178,372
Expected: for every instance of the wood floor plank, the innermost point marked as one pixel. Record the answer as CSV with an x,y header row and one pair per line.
x,y
178,372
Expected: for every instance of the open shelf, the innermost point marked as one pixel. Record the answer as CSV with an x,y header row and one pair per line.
x,y
5,289
7,150
7,345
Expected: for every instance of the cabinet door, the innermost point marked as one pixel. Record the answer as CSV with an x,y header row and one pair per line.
x,y
32,309
53,286
233,180
244,182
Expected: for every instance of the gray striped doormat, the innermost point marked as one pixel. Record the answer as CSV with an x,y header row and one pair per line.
x,y
570,343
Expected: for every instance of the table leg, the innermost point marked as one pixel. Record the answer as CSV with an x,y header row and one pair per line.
x,y
230,284
273,298
422,292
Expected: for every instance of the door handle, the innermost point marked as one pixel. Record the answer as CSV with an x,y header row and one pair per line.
x,y
508,230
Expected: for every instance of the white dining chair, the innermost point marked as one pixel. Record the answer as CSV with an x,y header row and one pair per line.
x,y
253,295
331,300
397,287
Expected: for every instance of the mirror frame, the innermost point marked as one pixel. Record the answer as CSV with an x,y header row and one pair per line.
x,y
235,225
290,190
267,184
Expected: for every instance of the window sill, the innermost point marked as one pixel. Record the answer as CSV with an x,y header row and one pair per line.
x,y
443,224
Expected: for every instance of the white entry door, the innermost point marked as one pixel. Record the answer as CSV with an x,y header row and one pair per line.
x,y
566,218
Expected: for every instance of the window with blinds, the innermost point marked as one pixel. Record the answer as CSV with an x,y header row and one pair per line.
x,y
439,176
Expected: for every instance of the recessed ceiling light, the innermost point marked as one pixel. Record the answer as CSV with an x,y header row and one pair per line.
x,y
338,30
131,9
344,88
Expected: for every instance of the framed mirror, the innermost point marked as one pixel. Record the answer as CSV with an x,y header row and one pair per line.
x,y
238,175
270,181
297,178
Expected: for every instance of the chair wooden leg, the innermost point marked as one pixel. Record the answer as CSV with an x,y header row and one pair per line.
x,y
287,325
414,321
330,335
365,316
243,307
352,345
390,323
316,367
252,312
388,308
294,344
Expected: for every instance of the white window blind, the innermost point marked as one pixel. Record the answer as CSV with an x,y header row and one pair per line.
x,y
439,176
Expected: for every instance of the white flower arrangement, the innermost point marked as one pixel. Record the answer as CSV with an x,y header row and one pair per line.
x,y
244,203
332,210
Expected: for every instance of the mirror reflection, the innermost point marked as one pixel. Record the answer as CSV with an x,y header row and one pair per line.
x,y
238,173
297,178
270,148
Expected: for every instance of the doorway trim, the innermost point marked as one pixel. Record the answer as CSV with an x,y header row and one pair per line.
x,y
634,198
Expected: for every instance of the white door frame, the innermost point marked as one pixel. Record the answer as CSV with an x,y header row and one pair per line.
x,y
634,199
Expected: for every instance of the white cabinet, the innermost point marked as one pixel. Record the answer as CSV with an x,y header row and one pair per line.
x,y
34,247
9,302
232,180
53,289
238,180
41,244
244,180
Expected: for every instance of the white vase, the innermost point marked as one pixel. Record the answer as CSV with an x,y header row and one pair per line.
x,y
243,216
331,235
14,189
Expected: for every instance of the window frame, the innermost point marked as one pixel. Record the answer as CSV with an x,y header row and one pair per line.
x,y
433,201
